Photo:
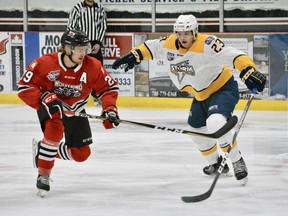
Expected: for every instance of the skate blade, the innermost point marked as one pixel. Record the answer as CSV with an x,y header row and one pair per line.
x,y
41,193
243,181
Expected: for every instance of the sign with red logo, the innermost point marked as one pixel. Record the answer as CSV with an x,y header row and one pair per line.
x,y
17,58
115,46
5,63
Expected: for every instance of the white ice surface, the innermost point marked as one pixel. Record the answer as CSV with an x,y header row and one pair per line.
x,y
136,171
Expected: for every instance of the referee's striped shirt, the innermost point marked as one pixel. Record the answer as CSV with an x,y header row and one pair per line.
x,y
90,19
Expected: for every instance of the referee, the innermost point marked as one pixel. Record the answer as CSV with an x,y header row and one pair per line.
x,y
90,17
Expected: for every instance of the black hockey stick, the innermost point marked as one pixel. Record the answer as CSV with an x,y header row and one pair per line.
x,y
207,194
227,127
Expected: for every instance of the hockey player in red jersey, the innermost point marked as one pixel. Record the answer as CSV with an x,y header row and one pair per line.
x,y
59,82
201,65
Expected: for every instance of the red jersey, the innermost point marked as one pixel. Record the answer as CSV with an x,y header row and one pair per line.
x,y
71,85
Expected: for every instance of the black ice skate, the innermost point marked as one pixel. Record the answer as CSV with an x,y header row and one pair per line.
x,y
240,171
212,169
43,185
35,152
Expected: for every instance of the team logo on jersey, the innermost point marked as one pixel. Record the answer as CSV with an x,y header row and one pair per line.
x,y
67,89
209,40
182,69
53,75
170,56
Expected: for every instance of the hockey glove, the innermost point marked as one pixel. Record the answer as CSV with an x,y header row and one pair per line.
x,y
111,117
253,79
130,60
52,105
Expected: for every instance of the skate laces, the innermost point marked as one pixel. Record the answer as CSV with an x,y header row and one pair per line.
x,y
239,166
45,179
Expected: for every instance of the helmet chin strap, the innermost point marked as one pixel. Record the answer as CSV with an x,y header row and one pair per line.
x,y
70,57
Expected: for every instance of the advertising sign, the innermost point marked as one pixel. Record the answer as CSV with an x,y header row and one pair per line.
x,y
49,42
115,46
31,46
278,51
17,58
5,63
166,6
163,6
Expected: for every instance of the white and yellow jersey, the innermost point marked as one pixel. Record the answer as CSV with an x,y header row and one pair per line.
x,y
202,69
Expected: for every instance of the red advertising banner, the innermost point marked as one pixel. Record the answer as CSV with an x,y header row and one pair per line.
x,y
5,63
115,46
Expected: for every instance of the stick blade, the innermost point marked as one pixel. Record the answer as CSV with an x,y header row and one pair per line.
x,y
204,196
198,198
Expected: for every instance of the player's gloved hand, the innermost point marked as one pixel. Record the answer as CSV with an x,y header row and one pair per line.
x,y
52,105
253,79
130,60
112,118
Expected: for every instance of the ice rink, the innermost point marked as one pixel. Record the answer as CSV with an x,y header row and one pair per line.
x,y
136,171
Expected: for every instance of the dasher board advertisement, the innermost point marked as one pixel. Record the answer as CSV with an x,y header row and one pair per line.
x,y
114,46
17,57
5,63
49,42
11,60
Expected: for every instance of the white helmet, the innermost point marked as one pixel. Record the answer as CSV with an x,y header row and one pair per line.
x,y
186,23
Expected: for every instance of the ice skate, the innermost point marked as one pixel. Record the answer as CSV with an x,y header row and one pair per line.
x,y
212,169
43,185
240,171
35,152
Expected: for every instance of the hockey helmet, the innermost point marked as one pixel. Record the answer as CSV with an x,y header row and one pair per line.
x,y
74,38
186,23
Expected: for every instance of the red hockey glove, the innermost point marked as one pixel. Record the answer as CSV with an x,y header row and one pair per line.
x,y
112,118
253,79
130,60
52,105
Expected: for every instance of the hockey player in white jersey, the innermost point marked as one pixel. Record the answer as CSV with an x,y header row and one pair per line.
x,y
201,64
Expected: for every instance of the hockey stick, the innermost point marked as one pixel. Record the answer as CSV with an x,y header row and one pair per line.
x,y
207,194
227,127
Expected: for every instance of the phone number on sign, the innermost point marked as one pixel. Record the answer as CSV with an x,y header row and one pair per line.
x,y
163,94
123,81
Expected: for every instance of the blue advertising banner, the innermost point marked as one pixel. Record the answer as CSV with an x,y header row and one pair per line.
x,y
278,51
32,46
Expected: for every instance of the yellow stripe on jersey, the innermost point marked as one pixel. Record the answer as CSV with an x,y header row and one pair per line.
x,y
225,75
209,151
170,42
198,45
242,62
145,51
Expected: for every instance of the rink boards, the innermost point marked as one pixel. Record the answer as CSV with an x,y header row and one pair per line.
x,y
168,103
